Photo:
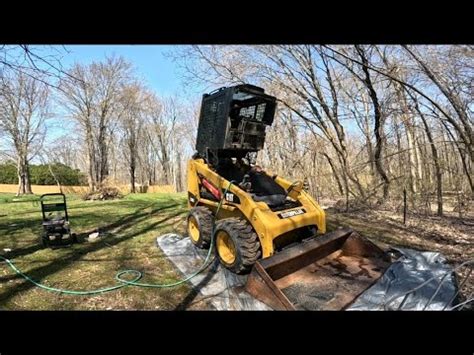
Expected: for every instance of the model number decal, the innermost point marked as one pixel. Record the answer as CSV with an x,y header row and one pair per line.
x,y
291,213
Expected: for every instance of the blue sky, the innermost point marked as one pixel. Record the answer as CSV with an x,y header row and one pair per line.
x,y
150,62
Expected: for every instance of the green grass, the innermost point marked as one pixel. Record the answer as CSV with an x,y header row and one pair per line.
x,y
131,226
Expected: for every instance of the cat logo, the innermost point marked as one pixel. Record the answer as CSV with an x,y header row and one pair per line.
x,y
230,197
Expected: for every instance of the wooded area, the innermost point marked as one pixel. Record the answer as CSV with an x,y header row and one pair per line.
x,y
363,122
360,123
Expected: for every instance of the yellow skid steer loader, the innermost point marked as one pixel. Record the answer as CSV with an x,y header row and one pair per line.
x,y
268,226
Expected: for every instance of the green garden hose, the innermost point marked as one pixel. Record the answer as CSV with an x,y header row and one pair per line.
x,y
122,282
70,292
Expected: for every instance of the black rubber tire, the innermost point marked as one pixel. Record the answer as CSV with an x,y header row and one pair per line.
x,y
205,221
246,242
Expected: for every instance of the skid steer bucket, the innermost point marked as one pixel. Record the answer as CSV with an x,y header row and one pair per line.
x,y
325,273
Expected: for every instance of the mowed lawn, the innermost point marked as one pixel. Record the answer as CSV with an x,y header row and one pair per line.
x,y
130,226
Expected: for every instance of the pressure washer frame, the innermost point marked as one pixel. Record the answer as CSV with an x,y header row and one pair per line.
x,y
54,229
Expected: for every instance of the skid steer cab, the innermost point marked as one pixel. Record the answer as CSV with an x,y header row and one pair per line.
x,y
55,221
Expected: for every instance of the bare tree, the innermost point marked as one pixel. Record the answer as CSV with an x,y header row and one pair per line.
x,y
131,123
92,101
42,63
306,81
163,117
447,118
379,120
454,97
435,155
24,107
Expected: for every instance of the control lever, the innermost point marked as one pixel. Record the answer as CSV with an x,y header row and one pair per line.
x,y
246,185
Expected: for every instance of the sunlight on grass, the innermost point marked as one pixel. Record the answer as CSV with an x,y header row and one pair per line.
x,y
130,226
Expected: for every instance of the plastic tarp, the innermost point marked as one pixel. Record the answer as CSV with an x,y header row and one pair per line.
x,y
217,288
408,272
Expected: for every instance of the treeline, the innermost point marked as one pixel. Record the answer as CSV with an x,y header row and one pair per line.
x,y
119,130
124,130
44,174
363,122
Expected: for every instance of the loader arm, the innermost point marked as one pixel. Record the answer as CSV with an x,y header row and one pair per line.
x,y
269,225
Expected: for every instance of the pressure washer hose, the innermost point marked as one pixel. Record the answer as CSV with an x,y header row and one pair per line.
x,y
122,282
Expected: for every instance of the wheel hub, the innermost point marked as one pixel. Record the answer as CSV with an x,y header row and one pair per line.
x,y
225,247
193,229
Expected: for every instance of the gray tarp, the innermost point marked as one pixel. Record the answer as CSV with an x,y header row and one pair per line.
x,y
411,270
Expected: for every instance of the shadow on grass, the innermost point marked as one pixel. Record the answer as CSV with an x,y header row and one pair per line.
x,y
126,221
38,209
118,226
15,224
21,244
25,251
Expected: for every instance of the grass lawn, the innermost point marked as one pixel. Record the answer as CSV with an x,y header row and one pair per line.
x,y
131,226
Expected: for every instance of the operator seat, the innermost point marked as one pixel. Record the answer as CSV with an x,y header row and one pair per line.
x,y
265,189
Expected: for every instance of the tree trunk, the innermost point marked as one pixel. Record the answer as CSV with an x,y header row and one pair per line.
x,y
438,171
103,164
179,176
445,152
370,149
55,178
24,184
335,174
91,177
165,162
378,124
414,178
434,152
132,173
